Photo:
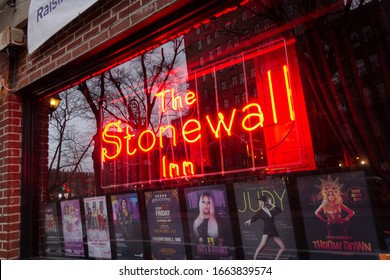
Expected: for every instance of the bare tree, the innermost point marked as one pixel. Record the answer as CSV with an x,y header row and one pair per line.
x,y
68,147
129,93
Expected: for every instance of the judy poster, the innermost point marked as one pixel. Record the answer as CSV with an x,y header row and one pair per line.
x,y
248,205
337,215
127,226
97,227
165,225
209,223
72,228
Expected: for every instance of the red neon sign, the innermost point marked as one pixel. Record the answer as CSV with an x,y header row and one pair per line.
x,y
190,134
111,139
177,102
120,140
271,92
174,169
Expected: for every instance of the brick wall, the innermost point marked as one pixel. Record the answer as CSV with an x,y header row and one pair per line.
x,y
98,25
10,173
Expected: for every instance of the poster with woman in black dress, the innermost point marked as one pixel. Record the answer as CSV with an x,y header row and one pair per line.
x,y
267,215
248,206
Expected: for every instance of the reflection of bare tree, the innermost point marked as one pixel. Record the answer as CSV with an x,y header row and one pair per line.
x,y
95,99
70,148
133,99
128,93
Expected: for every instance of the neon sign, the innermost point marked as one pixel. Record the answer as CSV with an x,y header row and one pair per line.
x,y
191,132
120,140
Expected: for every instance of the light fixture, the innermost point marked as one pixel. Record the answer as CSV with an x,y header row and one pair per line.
x,y
54,101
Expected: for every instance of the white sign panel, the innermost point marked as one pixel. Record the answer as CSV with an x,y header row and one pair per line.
x,y
46,17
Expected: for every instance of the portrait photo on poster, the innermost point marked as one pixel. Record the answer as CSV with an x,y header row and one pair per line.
x,y
127,226
52,231
72,228
337,215
209,223
98,234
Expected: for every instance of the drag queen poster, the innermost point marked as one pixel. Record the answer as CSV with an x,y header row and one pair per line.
x,y
165,225
72,228
209,223
97,227
247,200
52,231
127,226
337,215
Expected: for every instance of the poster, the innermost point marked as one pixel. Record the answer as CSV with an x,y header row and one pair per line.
x,y
97,227
52,230
247,200
209,223
127,226
337,215
72,228
387,239
165,225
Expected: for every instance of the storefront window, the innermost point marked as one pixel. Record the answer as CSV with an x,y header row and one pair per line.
x,y
295,112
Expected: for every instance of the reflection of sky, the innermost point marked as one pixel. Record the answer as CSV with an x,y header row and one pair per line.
x,y
83,128
178,81
180,68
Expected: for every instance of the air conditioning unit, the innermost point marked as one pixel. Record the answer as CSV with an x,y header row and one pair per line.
x,y
12,36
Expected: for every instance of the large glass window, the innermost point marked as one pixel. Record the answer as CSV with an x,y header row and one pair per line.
x,y
154,137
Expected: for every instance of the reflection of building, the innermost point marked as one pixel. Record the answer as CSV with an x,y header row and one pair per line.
x,y
233,66
356,86
223,83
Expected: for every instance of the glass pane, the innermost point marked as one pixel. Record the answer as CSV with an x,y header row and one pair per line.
x,y
265,92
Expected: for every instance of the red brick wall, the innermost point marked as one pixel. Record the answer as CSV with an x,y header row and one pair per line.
x,y
10,174
97,26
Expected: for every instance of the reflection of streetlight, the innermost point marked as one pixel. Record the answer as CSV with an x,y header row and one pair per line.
x,y
54,101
